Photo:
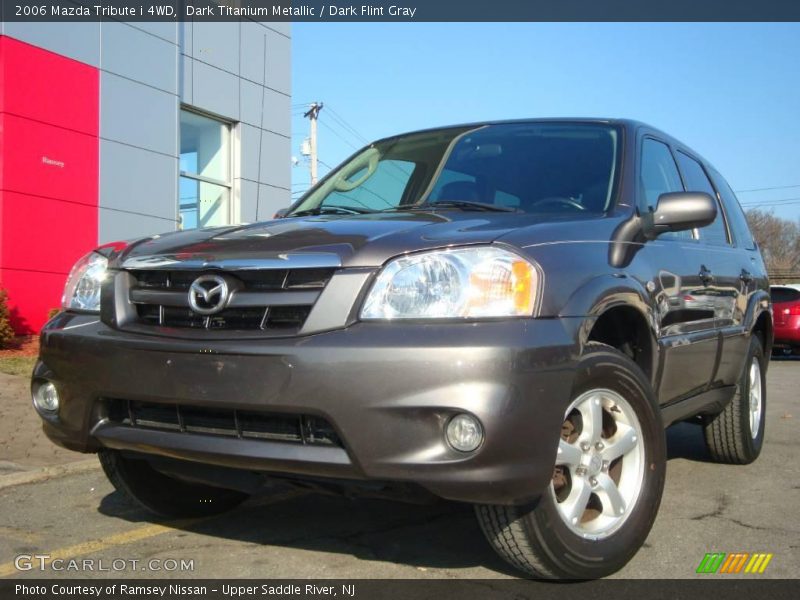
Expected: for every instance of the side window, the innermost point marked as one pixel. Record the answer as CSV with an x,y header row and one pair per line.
x,y
658,175
697,181
736,216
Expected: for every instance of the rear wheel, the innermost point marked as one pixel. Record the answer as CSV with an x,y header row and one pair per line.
x,y
736,435
161,494
607,481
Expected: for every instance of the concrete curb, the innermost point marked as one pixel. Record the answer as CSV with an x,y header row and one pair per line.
x,y
44,473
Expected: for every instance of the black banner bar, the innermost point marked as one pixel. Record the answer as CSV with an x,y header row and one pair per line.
x,y
402,10
730,588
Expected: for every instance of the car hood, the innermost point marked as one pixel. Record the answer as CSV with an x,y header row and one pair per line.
x,y
356,241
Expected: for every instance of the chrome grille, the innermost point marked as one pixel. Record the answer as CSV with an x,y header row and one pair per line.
x,y
276,300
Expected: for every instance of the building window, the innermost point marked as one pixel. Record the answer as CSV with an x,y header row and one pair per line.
x,y
205,172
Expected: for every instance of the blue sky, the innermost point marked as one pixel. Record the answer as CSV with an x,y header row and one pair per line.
x,y
730,91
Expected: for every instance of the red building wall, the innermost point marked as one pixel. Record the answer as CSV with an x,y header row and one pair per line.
x,y
49,149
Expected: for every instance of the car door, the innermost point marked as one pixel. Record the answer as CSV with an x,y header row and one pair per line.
x,y
723,288
686,318
747,274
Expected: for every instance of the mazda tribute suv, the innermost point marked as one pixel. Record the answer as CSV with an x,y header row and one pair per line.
x,y
506,314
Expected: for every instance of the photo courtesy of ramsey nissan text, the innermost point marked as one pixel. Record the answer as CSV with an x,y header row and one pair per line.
x,y
397,301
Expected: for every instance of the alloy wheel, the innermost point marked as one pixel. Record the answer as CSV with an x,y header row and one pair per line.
x,y
755,397
600,464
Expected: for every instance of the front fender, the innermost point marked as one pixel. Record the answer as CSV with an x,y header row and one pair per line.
x,y
606,293
603,292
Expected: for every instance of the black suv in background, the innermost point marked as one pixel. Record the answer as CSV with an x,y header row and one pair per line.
x,y
507,314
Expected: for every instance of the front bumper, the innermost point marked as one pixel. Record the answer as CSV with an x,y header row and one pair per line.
x,y
387,389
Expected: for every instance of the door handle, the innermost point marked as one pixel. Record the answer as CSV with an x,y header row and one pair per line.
x,y
705,275
745,276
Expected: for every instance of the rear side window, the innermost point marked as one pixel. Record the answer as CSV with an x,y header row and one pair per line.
x,y
697,181
784,294
736,216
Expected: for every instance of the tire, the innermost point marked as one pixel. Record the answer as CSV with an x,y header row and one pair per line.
x,y
163,495
730,437
540,539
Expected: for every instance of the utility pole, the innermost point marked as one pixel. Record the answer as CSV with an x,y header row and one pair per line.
x,y
313,115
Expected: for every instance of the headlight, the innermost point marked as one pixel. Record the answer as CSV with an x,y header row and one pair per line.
x,y
82,291
464,282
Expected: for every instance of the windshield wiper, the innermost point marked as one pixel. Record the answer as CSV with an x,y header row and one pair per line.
x,y
467,204
331,209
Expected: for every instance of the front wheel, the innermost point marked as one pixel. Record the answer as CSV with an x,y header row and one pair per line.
x,y
607,481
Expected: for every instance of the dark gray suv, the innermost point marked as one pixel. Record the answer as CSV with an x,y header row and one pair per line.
x,y
507,314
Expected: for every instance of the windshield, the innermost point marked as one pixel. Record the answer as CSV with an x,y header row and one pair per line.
x,y
535,167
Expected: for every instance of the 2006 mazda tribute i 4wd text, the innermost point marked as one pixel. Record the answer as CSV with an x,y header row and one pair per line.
x,y
507,314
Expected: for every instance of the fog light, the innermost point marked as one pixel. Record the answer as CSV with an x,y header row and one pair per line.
x,y
45,397
464,433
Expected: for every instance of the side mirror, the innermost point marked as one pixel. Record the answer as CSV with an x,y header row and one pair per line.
x,y
679,211
281,212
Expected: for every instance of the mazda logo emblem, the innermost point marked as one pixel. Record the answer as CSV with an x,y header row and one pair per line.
x,y
208,294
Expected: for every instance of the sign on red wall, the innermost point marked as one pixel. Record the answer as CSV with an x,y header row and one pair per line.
x,y
49,120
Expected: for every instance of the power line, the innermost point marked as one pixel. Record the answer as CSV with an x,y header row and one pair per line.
x,y
765,206
351,131
404,176
761,202
777,202
345,129
337,117
337,134
403,179
767,189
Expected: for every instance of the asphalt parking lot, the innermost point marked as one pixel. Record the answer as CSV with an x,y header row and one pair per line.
x,y
706,508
